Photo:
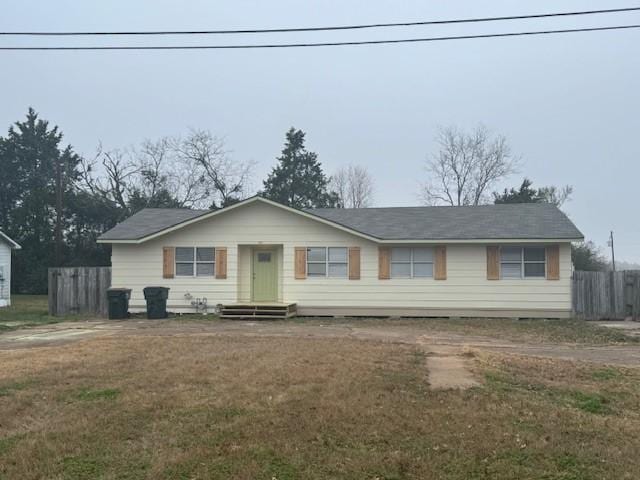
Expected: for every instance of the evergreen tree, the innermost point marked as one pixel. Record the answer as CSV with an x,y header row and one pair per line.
x,y
36,169
525,194
298,180
551,194
587,256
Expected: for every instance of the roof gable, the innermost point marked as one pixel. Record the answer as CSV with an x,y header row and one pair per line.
x,y
12,243
140,227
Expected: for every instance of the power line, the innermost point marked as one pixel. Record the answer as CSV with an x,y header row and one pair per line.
x,y
328,44
330,28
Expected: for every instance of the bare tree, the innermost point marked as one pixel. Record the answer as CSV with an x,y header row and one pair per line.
x,y
558,196
466,167
354,186
190,172
163,167
113,183
227,180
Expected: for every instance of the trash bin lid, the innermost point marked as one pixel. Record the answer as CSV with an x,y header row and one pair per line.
x,y
116,292
155,292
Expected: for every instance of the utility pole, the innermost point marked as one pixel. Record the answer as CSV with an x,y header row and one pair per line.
x,y
613,254
59,195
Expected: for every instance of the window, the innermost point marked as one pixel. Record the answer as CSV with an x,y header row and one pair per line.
x,y
195,261
327,262
264,257
522,262
411,262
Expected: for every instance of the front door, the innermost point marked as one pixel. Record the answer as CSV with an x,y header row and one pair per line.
x,y
265,276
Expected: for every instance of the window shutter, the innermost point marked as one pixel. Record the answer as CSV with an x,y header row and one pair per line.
x,y
553,262
168,262
384,263
440,267
493,262
354,263
221,262
300,263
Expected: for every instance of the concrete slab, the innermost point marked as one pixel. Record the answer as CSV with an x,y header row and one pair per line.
x,y
54,335
449,372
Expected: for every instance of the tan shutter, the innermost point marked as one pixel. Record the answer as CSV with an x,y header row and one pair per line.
x,y
493,262
384,263
440,264
354,263
553,262
300,263
168,261
221,262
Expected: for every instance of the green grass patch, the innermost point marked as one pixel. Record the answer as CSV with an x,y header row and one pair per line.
x,y
504,383
10,388
572,467
273,465
7,443
82,467
91,395
589,402
28,311
606,374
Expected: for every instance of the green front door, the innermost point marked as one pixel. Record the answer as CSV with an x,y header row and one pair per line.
x,y
265,276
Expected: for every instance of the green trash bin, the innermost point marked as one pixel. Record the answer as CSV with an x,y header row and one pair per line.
x,y
118,300
156,298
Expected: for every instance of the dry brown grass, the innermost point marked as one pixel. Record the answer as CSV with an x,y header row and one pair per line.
x,y
534,331
199,407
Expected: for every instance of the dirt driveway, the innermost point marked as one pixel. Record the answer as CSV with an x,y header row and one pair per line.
x,y
438,344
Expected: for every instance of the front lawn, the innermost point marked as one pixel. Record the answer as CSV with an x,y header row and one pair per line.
x,y
25,311
535,331
210,407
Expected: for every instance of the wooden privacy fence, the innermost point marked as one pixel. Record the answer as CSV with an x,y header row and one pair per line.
x,y
596,295
606,295
79,290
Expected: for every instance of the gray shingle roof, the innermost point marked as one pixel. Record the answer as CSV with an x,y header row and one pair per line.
x,y
511,221
515,221
149,221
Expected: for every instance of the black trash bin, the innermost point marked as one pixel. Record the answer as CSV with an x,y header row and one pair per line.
x,y
156,298
118,300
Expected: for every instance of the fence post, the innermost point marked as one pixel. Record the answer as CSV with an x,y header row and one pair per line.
x,y
52,291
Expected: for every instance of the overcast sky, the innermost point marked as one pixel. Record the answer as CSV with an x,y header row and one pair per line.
x,y
569,104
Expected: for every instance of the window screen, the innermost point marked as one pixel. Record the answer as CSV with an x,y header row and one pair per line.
x,y
534,262
522,262
198,261
416,262
327,262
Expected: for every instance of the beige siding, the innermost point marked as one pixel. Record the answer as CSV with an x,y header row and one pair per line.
x,y
244,273
466,286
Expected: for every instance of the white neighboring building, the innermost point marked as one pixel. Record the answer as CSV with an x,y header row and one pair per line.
x,y
6,245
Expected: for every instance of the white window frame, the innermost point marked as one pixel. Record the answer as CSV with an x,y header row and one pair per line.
x,y
523,262
411,263
326,263
195,262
